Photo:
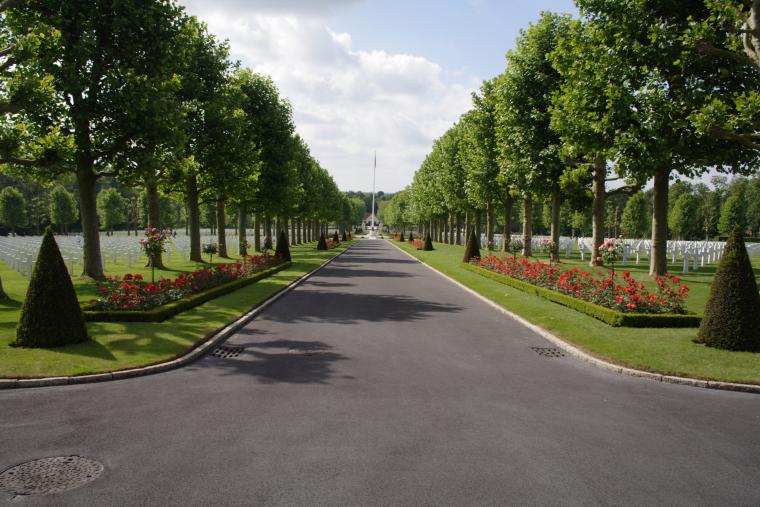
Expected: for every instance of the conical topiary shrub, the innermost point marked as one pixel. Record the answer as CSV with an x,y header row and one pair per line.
x,y
282,251
344,237
51,316
401,237
428,243
411,236
335,237
732,314
322,244
472,249
268,243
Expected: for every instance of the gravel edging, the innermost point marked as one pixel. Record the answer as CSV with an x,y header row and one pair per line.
x,y
192,355
595,361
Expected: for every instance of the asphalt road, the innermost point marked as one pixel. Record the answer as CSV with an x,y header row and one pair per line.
x,y
378,382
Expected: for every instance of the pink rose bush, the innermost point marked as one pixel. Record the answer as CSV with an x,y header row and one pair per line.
x,y
132,292
619,292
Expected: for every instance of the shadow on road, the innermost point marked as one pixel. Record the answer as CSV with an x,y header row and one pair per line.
x,y
280,361
341,271
345,308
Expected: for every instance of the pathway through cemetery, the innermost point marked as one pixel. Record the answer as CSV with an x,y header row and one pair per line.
x,y
378,382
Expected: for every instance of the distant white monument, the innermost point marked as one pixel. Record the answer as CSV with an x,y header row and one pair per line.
x,y
372,232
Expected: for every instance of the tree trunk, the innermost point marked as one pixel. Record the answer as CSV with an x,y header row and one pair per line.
x,y
527,225
154,217
658,258
508,203
556,202
467,226
193,218
478,225
242,226
3,295
452,228
88,211
221,221
458,236
598,209
268,229
257,232
293,239
490,223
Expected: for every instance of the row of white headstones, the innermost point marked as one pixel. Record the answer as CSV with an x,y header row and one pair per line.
x,y
692,254
20,252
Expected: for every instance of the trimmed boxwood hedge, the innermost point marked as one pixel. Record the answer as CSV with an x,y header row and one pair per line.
x,y
606,315
163,312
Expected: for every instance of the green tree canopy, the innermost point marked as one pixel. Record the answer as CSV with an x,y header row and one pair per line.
x,y
12,208
110,208
63,207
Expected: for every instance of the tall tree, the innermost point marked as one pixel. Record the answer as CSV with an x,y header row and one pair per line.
x,y
113,81
634,221
732,215
665,84
204,75
682,219
268,121
526,142
110,208
591,112
12,208
63,208
479,155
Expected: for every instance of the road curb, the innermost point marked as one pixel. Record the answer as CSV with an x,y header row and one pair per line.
x,y
195,353
595,361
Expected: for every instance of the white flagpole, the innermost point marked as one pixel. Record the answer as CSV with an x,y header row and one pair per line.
x,y
372,224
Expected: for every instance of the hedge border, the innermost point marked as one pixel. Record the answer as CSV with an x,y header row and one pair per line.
x,y
163,312
606,315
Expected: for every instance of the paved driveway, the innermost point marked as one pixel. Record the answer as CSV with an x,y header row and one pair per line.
x,y
378,382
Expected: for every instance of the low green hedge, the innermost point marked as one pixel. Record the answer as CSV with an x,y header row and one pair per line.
x,y
163,312
606,315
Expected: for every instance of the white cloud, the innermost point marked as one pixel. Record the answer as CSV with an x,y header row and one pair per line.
x,y
347,102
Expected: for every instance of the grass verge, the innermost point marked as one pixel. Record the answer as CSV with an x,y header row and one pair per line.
x,y
118,346
664,351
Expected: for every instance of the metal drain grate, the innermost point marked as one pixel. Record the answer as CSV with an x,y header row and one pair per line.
x,y
49,475
227,352
548,351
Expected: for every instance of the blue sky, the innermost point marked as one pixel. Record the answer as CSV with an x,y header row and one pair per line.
x,y
366,75
466,37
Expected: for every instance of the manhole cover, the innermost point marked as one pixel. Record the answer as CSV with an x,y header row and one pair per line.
x,y
49,475
548,351
227,352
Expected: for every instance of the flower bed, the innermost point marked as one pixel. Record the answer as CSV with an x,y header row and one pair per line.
x,y
419,245
168,310
619,304
631,296
131,292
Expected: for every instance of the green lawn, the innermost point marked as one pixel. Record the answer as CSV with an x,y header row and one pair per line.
x,y
665,351
117,346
